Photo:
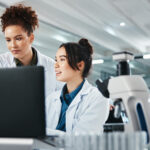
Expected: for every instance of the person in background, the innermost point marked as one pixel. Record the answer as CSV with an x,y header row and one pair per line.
x,y
18,24
79,106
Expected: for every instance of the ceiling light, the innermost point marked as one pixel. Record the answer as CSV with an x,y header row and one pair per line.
x,y
110,31
122,24
147,56
98,61
60,38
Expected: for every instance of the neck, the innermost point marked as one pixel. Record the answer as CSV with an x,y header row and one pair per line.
x,y
72,85
27,58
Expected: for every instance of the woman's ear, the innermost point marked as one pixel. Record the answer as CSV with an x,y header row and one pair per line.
x,y
31,37
81,65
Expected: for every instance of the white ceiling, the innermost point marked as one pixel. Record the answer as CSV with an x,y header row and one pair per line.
x,y
97,20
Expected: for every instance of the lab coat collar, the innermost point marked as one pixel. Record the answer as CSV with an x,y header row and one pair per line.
x,y
41,61
39,58
12,61
85,90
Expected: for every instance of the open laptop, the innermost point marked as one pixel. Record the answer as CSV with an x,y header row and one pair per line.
x,y
22,102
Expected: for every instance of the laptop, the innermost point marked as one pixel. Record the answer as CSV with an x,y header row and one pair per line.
x,y
22,102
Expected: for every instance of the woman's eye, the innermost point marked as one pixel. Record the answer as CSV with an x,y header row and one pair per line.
x,y
62,59
8,40
18,39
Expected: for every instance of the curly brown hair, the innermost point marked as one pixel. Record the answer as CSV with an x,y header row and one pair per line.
x,y
20,15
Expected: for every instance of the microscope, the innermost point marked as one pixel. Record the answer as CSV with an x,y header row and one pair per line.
x,y
130,96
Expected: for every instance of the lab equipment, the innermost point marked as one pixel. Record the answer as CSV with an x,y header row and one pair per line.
x,y
130,95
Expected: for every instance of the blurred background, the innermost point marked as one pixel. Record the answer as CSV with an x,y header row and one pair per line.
x,y
110,25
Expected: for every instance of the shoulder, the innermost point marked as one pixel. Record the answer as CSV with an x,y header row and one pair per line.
x,y
91,94
90,89
6,58
6,55
44,60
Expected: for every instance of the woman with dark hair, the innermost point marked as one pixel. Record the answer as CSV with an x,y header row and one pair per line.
x,y
79,107
18,24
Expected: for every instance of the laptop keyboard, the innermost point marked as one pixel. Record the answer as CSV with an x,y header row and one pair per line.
x,y
55,141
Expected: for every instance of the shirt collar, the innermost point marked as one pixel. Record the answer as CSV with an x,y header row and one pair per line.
x,y
33,61
69,97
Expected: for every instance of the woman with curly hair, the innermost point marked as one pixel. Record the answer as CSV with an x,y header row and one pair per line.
x,y
79,106
18,24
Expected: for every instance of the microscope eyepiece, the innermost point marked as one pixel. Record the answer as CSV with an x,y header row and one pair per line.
x,y
123,65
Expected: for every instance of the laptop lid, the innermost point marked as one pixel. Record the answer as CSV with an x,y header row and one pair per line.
x,y
22,102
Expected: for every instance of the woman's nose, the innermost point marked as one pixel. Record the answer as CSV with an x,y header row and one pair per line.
x,y
56,64
13,43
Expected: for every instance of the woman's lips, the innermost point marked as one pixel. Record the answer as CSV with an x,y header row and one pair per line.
x,y
58,73
15,51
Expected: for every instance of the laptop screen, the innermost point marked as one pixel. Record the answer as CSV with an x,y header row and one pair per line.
x,y
22,102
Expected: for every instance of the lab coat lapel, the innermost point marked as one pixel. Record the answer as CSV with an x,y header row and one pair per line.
x,y
12,61
74,106
39,59
85,89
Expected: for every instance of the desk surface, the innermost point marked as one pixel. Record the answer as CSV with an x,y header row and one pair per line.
x,y
23,144
37,144
128,141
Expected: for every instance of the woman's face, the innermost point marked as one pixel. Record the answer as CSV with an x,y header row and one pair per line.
x,y
18,41
63,70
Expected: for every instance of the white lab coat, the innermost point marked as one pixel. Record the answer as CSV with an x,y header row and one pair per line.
x,y
88,111
51,85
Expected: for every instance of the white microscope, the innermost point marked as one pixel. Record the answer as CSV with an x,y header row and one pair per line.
x,y
130,96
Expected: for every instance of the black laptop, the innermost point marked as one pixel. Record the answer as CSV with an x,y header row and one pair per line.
x,y
22,102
